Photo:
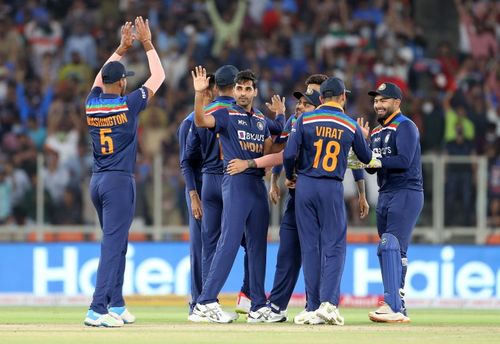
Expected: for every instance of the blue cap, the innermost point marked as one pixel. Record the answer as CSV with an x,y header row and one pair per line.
x,y
114,71
332,87
224,76
311,96
387,90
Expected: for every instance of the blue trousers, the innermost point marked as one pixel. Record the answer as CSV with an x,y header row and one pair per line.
x,y
397,214
246,211
195,252
321,220
289,259
113,196
211,199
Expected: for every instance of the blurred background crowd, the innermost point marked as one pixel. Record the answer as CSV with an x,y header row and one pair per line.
x,y
443,54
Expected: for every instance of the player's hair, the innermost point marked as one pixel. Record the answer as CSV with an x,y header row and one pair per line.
x,y
316,79
211,81
246,75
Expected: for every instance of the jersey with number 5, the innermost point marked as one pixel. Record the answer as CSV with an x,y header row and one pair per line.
x,y
321,140
112,121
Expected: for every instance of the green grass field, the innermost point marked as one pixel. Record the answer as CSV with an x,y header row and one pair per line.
x,y
168,325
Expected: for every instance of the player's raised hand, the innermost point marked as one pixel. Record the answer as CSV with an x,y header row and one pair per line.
x,y
200,80
127,37
236,166
142,28
277,104
365,127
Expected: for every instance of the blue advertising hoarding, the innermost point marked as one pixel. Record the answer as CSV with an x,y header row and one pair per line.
x,y
471,272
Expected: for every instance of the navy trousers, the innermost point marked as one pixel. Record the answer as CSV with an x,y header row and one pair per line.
x,y
321,220
113,196
246,211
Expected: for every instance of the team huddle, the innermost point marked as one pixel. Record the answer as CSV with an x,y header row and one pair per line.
x,y
225,146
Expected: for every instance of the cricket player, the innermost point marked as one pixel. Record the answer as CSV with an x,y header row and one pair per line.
x,y
289,256
112,119
243,134
401,197
191,162
205,144
317,152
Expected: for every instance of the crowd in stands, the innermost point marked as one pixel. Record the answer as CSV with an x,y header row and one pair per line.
x,y
50,52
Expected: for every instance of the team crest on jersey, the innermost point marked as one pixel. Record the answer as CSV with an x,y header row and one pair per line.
x,y
382,87
387,137
260,125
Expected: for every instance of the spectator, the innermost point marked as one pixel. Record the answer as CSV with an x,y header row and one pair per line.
x,y
227,27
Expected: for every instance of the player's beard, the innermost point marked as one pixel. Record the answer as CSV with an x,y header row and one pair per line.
x,y
381,116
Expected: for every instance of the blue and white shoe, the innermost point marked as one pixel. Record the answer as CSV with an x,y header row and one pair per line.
x,y
102,320
123,314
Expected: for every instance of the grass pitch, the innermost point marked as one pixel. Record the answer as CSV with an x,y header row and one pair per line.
x,y
168,325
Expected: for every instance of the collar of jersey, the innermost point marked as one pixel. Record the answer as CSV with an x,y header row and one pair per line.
x,y
242,110
332,104
390,118
226,99
109,95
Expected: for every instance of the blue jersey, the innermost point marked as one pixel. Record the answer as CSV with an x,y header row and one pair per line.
x,y
112,122
320,142
242,135
398,141
190,165
206,142
276,125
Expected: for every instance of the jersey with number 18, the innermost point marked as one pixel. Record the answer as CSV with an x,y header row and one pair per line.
x,y
112,121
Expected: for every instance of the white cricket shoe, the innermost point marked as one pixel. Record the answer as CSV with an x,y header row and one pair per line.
x,y
243,303
196,318
214,313
307,318
385,314
123,314
330,314
265,314
102,320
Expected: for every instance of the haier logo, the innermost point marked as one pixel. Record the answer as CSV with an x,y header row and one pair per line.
x,y
430,278
153,276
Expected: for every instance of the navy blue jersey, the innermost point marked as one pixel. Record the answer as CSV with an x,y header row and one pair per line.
x,y
190,166
320,142
398,141
242,135
207,142
276,125
112,122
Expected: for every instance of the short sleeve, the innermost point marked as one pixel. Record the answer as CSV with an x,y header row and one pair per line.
x,y
283,137
94,93
221,120
137,100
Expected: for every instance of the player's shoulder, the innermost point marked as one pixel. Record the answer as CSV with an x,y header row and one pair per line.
x,y
402,122
258,114
217,105
376,130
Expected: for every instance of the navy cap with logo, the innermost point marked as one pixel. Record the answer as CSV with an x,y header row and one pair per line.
x,y
332,87
224,76
311,96
114,71
387,90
